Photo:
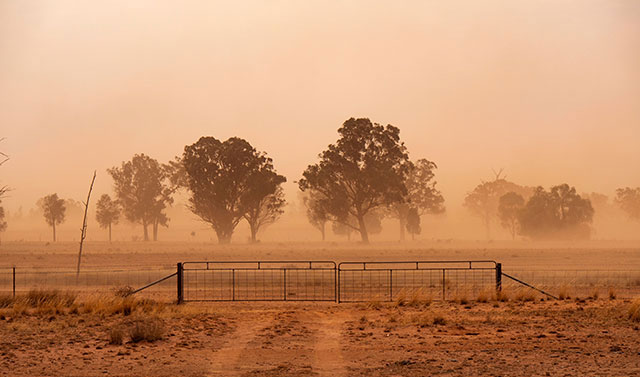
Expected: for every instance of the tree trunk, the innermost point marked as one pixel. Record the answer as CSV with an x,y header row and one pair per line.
x,y
322,231
403,225
155,230
487,224
146,231
254,232
54,231
363,230
109,232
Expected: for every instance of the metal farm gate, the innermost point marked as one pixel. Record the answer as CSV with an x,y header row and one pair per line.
x,y
326,281
387,281
257,281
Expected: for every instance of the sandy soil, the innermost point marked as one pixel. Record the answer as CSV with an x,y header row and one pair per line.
x,y
569,338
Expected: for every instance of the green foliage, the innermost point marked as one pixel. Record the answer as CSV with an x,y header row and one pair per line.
x,y
558,213
629,200
364,170
230,181
509,207
142,192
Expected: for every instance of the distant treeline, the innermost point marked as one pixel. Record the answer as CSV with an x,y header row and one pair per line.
x,y
365,176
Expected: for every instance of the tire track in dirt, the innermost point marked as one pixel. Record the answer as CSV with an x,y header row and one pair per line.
x,y
227,360
327,354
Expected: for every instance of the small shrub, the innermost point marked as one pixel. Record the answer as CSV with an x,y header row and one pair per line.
x,y
124,291
116,335
612,294
146,329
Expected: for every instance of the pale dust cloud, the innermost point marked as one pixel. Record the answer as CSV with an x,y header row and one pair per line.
x,y
547,90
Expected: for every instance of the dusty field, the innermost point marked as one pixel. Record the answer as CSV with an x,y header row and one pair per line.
x,y
136,255
569,338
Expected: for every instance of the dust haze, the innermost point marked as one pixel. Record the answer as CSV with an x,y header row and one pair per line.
x,y
546,92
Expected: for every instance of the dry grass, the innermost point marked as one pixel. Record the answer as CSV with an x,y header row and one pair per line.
x,y
525,295
148,329
564,292
612,293
634,311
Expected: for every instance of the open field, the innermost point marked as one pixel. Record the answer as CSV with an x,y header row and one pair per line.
x,y
514,338
91,331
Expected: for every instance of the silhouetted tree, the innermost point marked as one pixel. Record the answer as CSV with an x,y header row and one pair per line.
x,y
484,199
413,223
229,181
265,204
372,220
422,194
3,223
363,171
107,212
629,200
140,189
315,211
509,207
558,213
53,209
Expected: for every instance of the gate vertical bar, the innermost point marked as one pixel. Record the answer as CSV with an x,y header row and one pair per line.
x,y
443,284
233,284
390,285
14,282
498,278
180,283
285,284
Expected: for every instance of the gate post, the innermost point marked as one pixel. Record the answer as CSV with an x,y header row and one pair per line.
x,y
498,278
180,283
14,282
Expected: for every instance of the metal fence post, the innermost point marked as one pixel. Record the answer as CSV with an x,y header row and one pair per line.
x,y
498,278
180,283
14,282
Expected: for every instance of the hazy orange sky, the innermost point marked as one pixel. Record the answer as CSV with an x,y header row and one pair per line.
x,y
547,90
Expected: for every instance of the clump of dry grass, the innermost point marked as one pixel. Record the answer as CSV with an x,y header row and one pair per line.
x,y
146,329
124,291
525,295
502,296
374,304
6,301
116,335
595,294
414,298
634,311
483,297
564,293
612,293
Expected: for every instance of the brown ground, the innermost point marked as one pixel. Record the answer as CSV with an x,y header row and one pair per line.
x,y
569,338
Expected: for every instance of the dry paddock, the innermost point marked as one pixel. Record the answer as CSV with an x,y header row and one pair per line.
x,y
132,337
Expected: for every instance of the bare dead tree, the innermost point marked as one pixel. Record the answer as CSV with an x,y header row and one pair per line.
x,y
83,230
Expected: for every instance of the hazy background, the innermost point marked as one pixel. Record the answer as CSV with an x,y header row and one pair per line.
x,y
547,90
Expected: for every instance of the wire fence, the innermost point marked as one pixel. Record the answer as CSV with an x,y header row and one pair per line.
x,y
298,282
21,280
580,283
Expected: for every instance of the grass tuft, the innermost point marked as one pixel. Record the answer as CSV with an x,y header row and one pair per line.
x,y
634,311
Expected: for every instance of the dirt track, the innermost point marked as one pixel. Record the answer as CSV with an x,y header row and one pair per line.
x,y
516,339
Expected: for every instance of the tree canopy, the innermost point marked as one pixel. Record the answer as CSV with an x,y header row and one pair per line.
x,y
141,191
229,181
364,170
315,211
509,207
629,200
483,201
54,210
422,194
3,223
107,212
559,213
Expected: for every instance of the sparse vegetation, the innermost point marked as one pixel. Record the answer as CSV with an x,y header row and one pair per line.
x,y
634,311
